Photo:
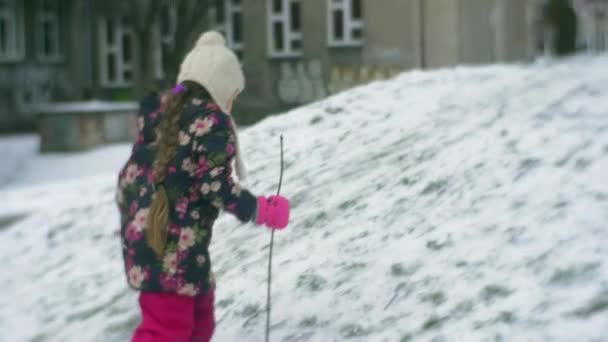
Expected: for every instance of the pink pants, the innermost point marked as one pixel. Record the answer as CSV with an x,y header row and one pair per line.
x,y
169,317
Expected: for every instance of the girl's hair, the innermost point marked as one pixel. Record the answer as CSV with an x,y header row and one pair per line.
x,y
167,141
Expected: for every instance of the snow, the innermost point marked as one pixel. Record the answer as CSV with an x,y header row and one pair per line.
x,y
460,204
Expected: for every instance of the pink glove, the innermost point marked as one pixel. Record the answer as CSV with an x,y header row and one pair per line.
x,y
273,212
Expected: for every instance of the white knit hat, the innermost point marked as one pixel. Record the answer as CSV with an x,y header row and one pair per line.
x,y
211,64
215,67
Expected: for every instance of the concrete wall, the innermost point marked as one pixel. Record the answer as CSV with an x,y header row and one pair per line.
x,y
476,32
440,27
391,33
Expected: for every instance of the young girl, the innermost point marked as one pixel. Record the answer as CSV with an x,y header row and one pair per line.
x,y
172,187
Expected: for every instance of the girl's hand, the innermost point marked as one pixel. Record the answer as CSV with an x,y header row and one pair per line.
x,y
273,212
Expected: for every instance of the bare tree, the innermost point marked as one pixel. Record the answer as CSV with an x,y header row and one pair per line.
x,y
191,19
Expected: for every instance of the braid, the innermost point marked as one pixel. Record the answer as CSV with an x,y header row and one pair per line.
x,y
167,142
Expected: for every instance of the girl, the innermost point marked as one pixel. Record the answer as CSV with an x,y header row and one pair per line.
x,y
172,187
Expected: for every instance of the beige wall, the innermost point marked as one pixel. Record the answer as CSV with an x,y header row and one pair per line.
x,y
440,36
391,33
476,32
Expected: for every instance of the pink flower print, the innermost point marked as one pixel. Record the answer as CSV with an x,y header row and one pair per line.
x,y
205,188
131,174
182,207
195,215
216,186
194,196
172,169
186,239
168,282
153,115
142,191
231,208
133,208
150,176
133,234
202,167
214,119
140,219
136,276
187,165
201,127
197,102
170,263
200,260
236,190
184,138
216,171
212,106
230,149
174,229
188,290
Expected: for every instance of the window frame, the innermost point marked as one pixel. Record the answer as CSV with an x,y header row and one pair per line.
x,y
13,16
105,49
349,24
43,15
289,35
163,40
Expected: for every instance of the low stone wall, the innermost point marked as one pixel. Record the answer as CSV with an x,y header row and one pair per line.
x,y
80,125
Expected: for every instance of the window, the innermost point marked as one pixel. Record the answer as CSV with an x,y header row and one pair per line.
x,y
164,36
345,22
11,31
116,52
47,24
285,28
229,21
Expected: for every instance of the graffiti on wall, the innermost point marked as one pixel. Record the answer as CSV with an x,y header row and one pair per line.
x,y
305,82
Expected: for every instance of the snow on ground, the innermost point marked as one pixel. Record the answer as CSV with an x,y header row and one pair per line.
x,y
465,204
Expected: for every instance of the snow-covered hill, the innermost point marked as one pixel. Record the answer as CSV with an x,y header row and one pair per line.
x,y
466,204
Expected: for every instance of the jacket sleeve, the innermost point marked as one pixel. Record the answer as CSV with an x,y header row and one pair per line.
x,y
211,138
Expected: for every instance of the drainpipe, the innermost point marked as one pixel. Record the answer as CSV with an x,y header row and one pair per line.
x,y
422,32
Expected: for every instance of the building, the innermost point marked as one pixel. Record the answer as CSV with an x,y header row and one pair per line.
x,y
293,51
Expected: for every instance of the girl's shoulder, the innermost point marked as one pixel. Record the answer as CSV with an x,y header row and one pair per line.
x,y
207,110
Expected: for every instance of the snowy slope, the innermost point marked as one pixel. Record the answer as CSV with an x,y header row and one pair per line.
x,y
466,204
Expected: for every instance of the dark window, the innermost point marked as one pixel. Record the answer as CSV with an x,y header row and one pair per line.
x,y
357,33
127,75
237,27
296,45
278,36
236,2
3,37
47,39
338,24
126,48
295,16
111,67
277,6
110,31
165,22
219,11
357,10
46,6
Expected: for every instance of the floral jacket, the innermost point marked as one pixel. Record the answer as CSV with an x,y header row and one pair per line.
x,y
199,184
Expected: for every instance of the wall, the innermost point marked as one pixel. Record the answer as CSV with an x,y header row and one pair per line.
x,y
391,33
441,24
477,33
